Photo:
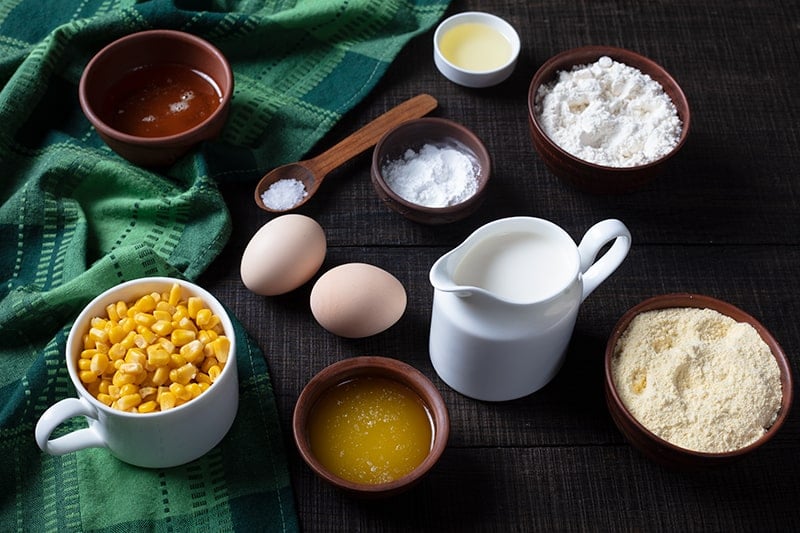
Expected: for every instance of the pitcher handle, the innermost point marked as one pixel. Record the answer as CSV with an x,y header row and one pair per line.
x,y
595,272
76,440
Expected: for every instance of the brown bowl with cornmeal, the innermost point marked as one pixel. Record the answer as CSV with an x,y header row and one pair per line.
x,y
694,382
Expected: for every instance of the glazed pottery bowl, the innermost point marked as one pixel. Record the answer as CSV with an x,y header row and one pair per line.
x,y
658,449
414,135
495,30
585,175
107,73
371,367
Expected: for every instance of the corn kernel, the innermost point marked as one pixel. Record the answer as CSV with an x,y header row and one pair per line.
x,y
128,388
129,401
114,392
116,333
145,304
99,363
144,319
88,353
194,389
117,351
204,386
180,392
166,400
104,398
192,351
193,305
131,368
180,337
148,393
214,373
162,327
209,362
135,356
97,334
221,348
111,311
206,335
183,374
122,378
160,376
158,357
84,364
202,378
104,385
174,294
148,407
87,376
147,334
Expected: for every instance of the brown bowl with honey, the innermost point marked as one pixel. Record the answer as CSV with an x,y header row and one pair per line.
x,y
371,426
154,95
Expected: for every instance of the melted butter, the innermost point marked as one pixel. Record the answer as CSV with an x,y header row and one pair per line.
x,y
161,100
370,430
475,46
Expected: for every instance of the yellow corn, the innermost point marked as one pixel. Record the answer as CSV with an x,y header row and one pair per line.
x,y
193,305
221,346
147,355
174,296
192,351
129,401
214,373
98,363
87,376
160,376
180,337
180,392
166,400
148,406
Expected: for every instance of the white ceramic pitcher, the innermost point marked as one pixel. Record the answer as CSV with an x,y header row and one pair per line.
x,y
506,300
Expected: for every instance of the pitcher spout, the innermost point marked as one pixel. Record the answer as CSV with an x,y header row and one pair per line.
x,y
442,276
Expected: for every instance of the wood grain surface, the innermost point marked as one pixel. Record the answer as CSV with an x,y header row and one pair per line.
x,y
724,220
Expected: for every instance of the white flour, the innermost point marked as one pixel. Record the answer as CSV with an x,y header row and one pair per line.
x,y
609,113
434,177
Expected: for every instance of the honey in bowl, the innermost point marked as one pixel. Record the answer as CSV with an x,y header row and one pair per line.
x,y
370,430
161,100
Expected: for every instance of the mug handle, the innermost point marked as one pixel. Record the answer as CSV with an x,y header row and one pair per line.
x,y
76,440
594,273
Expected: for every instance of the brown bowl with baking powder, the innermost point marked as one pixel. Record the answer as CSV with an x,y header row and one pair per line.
x,y
413,135
153,48
582,174
658,449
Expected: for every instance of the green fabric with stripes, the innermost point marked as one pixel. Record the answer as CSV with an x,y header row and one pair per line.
x,y
76,219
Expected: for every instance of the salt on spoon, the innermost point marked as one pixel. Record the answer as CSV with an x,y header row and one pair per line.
x,y
310,173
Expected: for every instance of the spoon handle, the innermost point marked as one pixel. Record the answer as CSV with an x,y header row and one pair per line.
x,y
369,135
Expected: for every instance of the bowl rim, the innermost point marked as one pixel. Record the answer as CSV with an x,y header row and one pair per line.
x,y
553,65
166,140
476,146
693,300
371,365
502,25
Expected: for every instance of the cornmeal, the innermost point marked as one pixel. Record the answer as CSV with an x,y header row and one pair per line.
x,y
697,378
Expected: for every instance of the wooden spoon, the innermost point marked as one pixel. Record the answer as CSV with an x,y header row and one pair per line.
x,y
311,172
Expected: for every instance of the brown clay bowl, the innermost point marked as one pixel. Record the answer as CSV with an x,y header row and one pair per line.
x,y
658,449
371,366
581,174
148,48
414,134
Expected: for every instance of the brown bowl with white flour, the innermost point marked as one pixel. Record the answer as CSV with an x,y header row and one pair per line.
x,y
431,170
605,119
694,382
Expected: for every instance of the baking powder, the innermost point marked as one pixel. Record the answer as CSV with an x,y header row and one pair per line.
x,y
436,176
284,194
609,113
697,378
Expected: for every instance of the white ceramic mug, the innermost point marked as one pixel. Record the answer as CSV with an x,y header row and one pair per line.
x,y
506,300
154,440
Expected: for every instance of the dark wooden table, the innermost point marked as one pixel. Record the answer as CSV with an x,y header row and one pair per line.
x,y
723,221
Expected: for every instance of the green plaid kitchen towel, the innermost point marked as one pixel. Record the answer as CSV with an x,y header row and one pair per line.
x,y
76,219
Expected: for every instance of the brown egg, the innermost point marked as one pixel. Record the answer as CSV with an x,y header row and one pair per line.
x,y
284,254
357,300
